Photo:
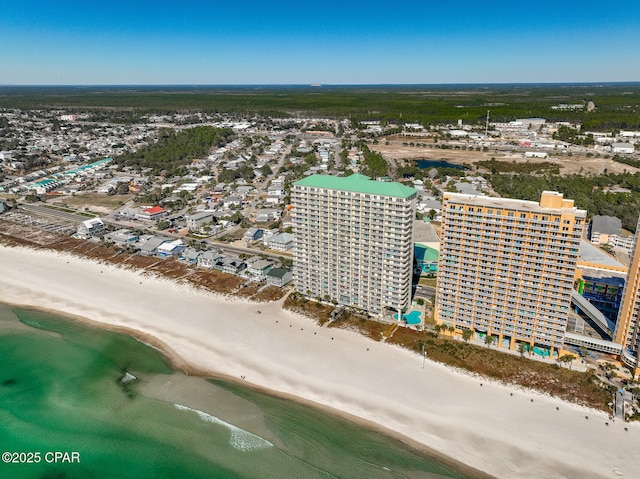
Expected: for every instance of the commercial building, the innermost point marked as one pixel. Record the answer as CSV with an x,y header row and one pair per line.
x,y
626,332
353,241
506,267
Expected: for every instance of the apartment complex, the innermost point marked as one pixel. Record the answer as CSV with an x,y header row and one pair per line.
x,y
353,241
626,333
507,266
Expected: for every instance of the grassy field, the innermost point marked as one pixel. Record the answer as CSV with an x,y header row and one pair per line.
x,y
93,201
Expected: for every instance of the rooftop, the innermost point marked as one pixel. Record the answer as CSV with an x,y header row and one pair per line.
x,y
359,184
595,256
509,203
153,210
606,224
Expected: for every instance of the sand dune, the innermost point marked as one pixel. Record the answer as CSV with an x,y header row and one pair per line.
x,y
493,428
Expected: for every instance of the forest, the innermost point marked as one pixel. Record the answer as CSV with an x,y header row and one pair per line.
x,y
615,105
174,150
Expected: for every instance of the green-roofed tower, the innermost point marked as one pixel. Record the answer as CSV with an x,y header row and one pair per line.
x,y
354,241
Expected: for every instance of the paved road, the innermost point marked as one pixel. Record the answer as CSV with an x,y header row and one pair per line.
x,y
239,250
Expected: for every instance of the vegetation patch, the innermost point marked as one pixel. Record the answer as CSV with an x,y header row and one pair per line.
x,y
297,303
582,388
356,322
393,104
495,166
174,150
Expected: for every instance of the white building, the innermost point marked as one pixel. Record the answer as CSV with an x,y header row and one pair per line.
x,y
198,221
90,228
624,148
354,241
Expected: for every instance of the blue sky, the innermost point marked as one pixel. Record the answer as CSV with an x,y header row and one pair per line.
x,y
329,42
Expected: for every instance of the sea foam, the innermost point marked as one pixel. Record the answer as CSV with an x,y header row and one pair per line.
x,y
240,439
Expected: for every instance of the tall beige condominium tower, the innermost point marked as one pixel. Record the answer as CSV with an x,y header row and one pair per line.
x,y
506,267
626,332
353,240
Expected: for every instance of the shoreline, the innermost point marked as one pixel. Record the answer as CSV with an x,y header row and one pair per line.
x,y
179,365
484,431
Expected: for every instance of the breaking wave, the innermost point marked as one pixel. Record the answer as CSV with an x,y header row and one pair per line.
x,y
240,439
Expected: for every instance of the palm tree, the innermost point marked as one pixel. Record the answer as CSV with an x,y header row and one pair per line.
x,y
488,339
451,330
466,334
438,328
521,349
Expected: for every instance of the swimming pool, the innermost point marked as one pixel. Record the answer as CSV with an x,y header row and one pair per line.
x,y
411,318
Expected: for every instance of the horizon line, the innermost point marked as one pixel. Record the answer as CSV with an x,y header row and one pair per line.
x,y
315,85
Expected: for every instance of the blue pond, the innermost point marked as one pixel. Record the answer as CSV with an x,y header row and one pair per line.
x,y
437,164
411,318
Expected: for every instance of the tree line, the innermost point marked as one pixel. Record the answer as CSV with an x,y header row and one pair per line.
x,y
615,104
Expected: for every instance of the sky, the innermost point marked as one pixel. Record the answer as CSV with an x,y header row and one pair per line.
x,y
140,42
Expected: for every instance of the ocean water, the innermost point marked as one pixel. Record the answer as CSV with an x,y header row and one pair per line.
x,y
117,410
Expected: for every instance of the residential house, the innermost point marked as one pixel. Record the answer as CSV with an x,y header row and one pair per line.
x,y
268,214
208,259
230,264
90,228
280,242
150,246
243,191
427,204
258,267
170,248
190,256
253,234
279,276
122,237
278,182
198,221
274,199
232,201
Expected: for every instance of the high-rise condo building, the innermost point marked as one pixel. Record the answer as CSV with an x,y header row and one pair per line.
x,y
626,333
353,241
506,267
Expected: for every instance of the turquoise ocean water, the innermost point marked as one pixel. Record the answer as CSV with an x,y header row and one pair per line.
x,y
115,402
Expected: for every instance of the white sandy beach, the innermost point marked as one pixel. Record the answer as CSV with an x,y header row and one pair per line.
x,y
487,428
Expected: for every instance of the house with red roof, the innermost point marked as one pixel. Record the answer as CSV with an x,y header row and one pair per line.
x,y
153,213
